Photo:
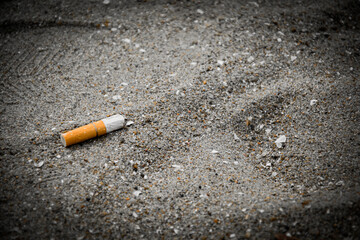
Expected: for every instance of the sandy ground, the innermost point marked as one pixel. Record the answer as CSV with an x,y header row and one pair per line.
x,y
210,86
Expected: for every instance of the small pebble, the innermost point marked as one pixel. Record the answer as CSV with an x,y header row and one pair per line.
x,y
136,193
116,97
220,62
313,102
254,3
236,137
200,11
250,59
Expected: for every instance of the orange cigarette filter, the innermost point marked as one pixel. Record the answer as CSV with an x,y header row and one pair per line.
x,y
92,130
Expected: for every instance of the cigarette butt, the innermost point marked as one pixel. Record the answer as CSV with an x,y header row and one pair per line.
x,y
92,130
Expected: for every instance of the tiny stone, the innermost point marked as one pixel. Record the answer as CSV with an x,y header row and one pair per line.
x,y
248,233
236,137
137,193
116,97
177,167
220,62
200,11
340,183
203,196
313,102
254,3
267,131
250,59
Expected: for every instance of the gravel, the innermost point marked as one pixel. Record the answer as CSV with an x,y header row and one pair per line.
x,y
243,119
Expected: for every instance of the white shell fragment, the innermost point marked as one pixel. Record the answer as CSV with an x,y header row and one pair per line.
x,y
200,11
176,167
220,62
116,97
137,193
214,152
250,59
129,123
254,3
280,141
236,137
267,131
313,102
39,164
